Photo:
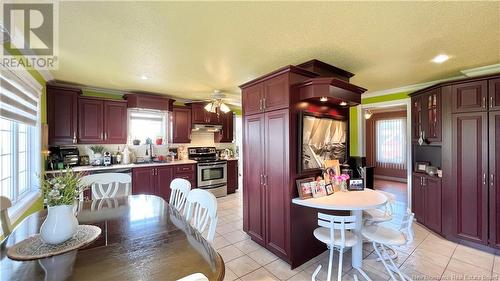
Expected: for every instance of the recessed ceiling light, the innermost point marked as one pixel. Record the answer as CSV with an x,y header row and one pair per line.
x,y
144,77
323,99
343,103
440,58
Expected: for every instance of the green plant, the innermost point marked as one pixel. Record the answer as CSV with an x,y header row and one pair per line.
x,y
63,189
97,149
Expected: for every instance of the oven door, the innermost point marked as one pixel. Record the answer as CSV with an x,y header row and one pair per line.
x,y
212,173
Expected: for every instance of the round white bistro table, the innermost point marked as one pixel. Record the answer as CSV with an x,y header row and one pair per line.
x,y
354,201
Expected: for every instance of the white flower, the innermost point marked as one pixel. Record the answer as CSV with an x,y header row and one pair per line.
x,y
54,194
53,181
58,186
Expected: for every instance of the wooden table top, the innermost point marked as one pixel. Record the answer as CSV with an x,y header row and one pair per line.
x,y
142,238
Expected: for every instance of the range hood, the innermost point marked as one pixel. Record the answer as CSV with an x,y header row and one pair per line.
x,y
206,128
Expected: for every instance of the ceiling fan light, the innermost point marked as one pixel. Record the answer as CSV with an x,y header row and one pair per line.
x,y
224,108
210,107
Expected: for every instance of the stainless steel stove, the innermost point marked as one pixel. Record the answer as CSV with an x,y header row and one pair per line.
x,y
212,171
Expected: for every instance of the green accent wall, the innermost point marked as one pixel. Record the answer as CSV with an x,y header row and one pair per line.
x,y
102,95
389,97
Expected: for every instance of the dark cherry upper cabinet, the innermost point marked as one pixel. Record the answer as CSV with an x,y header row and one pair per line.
x,y
200,116
181,125
226,134
90,121
163,176
432,203
418,197
494,153
115,122
426,116
232,176
62,115
470,175
253,193
469,96
276,93
143,181
417,116
494,94
252,99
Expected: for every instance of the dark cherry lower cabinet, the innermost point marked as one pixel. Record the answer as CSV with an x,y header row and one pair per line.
x,y
494,153
426,200
232,176
181,125
266,176
62,115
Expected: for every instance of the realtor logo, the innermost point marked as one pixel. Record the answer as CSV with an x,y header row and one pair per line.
x,y
29,30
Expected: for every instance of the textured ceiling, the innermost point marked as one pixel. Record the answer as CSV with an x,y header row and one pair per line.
x,y
188,49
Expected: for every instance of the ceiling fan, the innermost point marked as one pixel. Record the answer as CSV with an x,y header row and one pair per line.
x,y
216,102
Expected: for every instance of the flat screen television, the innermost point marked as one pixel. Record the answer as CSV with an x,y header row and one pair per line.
x,y
321,137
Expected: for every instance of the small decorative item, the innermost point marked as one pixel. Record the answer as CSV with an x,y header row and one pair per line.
x,y
136,142
159,140
97,151
343,182
149,141
356,184
318,190
304,188
59,194
421,166
431,171
329,189
440,173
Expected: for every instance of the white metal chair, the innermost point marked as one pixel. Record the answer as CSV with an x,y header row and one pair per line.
x,y
201,211
179,192
383,237
4,216
335,232
383,214
194,277
107,185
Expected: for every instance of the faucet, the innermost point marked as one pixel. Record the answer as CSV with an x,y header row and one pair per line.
x,y
148,141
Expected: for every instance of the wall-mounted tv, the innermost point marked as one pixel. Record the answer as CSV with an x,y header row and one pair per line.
x,y
321,137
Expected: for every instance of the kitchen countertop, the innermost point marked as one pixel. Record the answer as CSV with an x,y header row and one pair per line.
x,y
122,166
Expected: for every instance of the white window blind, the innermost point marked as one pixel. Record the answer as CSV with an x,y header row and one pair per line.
x,y
18,100
145,124
390,142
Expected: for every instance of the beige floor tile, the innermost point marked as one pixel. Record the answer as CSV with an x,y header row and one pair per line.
x,y
474,256
260,274
281,269
301,276
230,276
229,253
422,265
372,273
467,269
262,256
242,266
496,264
236,236
436,258
248,246
220,242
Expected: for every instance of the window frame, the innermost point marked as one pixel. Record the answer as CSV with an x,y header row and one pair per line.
x,y
404,160
165,124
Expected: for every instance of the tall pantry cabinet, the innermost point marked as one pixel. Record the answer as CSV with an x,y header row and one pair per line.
x,y
267,150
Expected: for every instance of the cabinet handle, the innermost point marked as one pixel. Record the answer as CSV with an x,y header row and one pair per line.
x,y
102,136
261,179
105,136
484,179
491,102
264,103
484,102
74,137
265,180
492,180
260,105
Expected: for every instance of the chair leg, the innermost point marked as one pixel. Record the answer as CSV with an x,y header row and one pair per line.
x,y
341,257
383,261
330,263
315,273
398,271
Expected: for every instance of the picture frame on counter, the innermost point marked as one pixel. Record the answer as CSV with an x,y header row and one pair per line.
x,y
421,166
304,187
318,190
356,185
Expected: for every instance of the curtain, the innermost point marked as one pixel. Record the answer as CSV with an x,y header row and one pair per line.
x,y
390,143
18,100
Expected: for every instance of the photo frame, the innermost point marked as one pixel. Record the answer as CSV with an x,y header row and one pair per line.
x,y
329,189
318,190
304,189
421,166
356,185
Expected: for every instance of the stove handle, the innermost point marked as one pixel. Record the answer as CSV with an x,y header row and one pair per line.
x,y
211,164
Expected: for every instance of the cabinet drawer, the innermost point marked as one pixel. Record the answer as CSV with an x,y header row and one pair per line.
x,y
184,168
187,176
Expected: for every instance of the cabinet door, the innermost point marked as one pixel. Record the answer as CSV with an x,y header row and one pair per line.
x,y
494,182
254,209
252,99
226,134
164,176
276,92
213,118
143,181
181,125
494,94
276,180
417,115
232,176
115,122
62,115
432,203
198,115
470,169
90,122
433,113
418,198
469,97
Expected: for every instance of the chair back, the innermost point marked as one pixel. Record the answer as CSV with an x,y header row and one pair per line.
x,y
391,200
201,211
4,215
179,192
107,185
406,226
337,223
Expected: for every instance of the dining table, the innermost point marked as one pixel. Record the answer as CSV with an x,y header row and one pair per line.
x,y
355,202
142,238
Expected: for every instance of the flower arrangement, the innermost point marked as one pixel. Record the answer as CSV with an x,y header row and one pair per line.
x,y
63,189
97,149
343,178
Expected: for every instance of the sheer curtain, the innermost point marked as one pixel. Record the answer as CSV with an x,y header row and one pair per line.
x,y
390,143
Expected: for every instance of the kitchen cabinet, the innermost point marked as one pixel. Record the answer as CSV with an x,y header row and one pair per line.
x,y
469,96
426,116
146,100
232,176
163,175
188,172
102,121
201,116
417,117
226,134
181,125
268,95
62,115
426,200
470,170
494,94
494,161
143,180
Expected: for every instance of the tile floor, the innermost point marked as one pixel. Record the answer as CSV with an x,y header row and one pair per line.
x,y
429,257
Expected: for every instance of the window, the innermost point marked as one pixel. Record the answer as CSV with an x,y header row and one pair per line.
x,y
145,124
390,143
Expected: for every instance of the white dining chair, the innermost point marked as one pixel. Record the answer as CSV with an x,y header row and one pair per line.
x,y
194,277
179,192
382,237
107,185
335,232
201,211
383,214
5,203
